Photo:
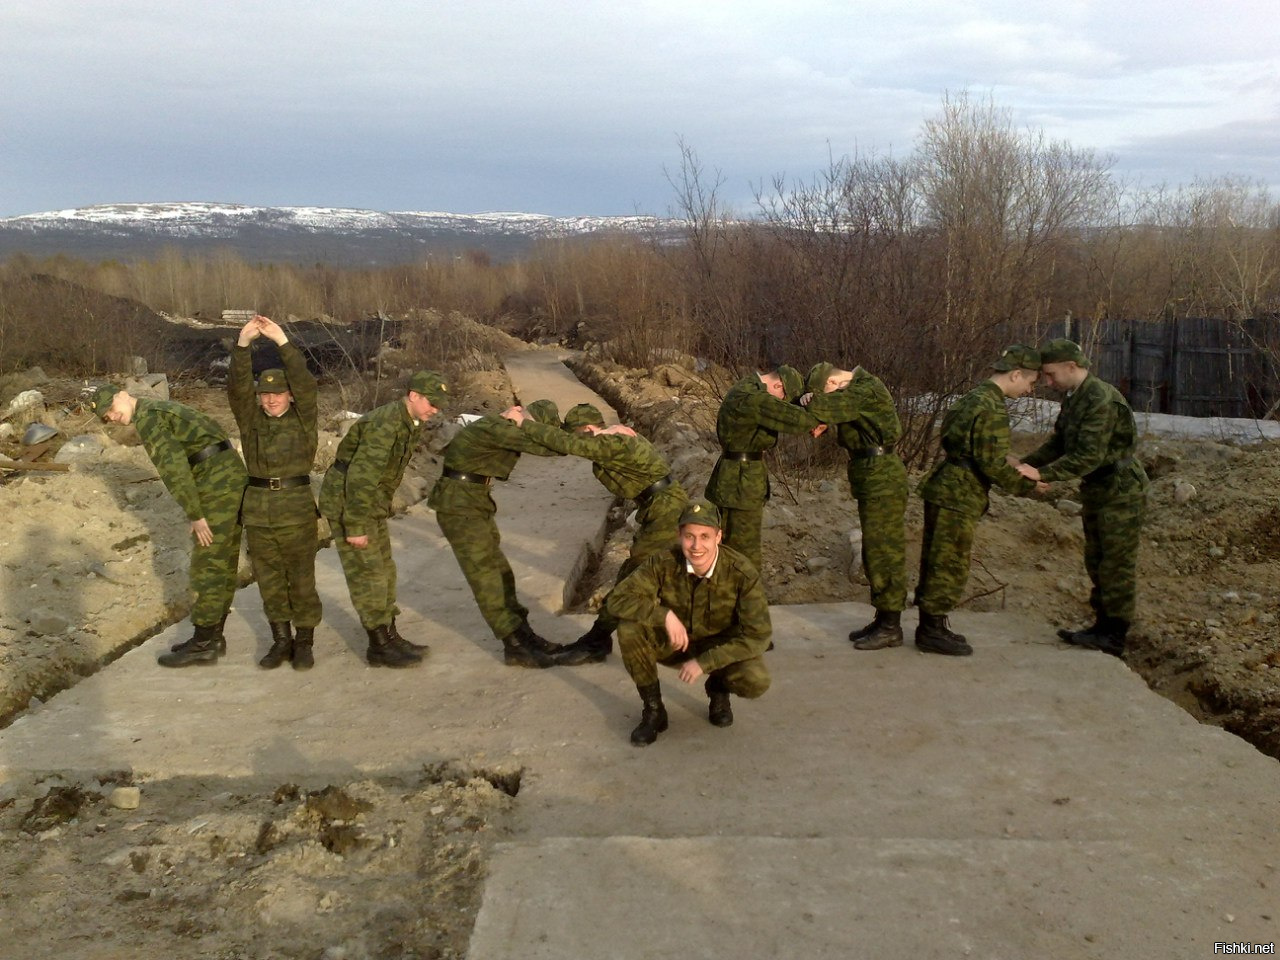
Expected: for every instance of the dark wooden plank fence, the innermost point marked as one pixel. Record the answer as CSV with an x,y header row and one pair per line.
x,y
1190,366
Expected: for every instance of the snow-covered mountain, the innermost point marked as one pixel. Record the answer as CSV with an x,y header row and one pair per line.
x,y
303,234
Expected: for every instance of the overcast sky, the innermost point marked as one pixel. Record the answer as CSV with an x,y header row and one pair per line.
x,y
576,107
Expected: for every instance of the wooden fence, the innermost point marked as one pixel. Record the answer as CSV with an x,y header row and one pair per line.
x,y
1192,366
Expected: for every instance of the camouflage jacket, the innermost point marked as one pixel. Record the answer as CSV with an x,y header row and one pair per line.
x,y
1093,438
488,447
729,606
624,465
282,446
749,421
862,412
171,433
376,450
975,439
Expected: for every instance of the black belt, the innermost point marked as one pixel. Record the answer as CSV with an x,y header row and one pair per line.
x,y
968,463
866,453
1107,470
212,450
648,493
279,483
467,477
742,457
341,465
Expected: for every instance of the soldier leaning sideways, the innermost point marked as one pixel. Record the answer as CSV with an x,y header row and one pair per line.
x,y
202,470
754,411
975,440
1094,439
356,500
483,451
698,606
860,408
631,468
277,421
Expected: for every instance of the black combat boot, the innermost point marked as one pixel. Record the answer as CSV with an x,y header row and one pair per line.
x,y
1073,637
934,635
200,650
420,649
884,631
719,711
220,646
653,719
1107,635
525,634
302,640
594,646
281,645
516,653
384,653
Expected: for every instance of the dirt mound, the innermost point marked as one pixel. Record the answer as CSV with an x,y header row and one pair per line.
x,y
366,868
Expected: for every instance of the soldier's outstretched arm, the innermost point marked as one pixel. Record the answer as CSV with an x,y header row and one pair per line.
x,y
783,417
1091,439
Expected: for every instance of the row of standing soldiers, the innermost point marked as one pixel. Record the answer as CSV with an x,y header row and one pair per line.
x,y
689,594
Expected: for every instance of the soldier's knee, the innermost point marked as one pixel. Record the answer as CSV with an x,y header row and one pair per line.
x,y
749,684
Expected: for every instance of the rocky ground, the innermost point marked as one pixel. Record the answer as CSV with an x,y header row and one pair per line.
x,y
93,559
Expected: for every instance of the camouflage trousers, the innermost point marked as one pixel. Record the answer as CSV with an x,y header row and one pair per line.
x,y
477,545
659,528
742,528
284,563
371,574
879,485
643,647
213,568
1111,535
944,559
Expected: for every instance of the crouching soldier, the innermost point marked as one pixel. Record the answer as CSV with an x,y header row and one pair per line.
x,y
698,606
206,476
277,421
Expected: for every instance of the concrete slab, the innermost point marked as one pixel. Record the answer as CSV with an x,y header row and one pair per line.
x,y
1028,801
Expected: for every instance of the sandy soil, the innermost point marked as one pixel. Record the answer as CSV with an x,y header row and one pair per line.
x,y
93,560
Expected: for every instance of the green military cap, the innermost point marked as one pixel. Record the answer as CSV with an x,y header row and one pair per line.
x,y
583,415
702,512
273,381
815,380
1061,350
431,385
544,411
792,382
100,401
1017,356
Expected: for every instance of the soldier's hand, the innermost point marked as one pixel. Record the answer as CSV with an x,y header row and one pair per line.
x,y
271,330
248,333
676,632
818,431
1012,461
690,671
515,414
805,399
1031,473
200,530
618,429
359,543
1042,488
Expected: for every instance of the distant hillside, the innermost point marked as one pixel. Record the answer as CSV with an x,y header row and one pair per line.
x,y
298,234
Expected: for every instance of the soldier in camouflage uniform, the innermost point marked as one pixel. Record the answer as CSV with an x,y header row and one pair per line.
x,y
698,606
859,406
202,470
278,438
975,440
630,468
754,411
1095,438
483,451
356,500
